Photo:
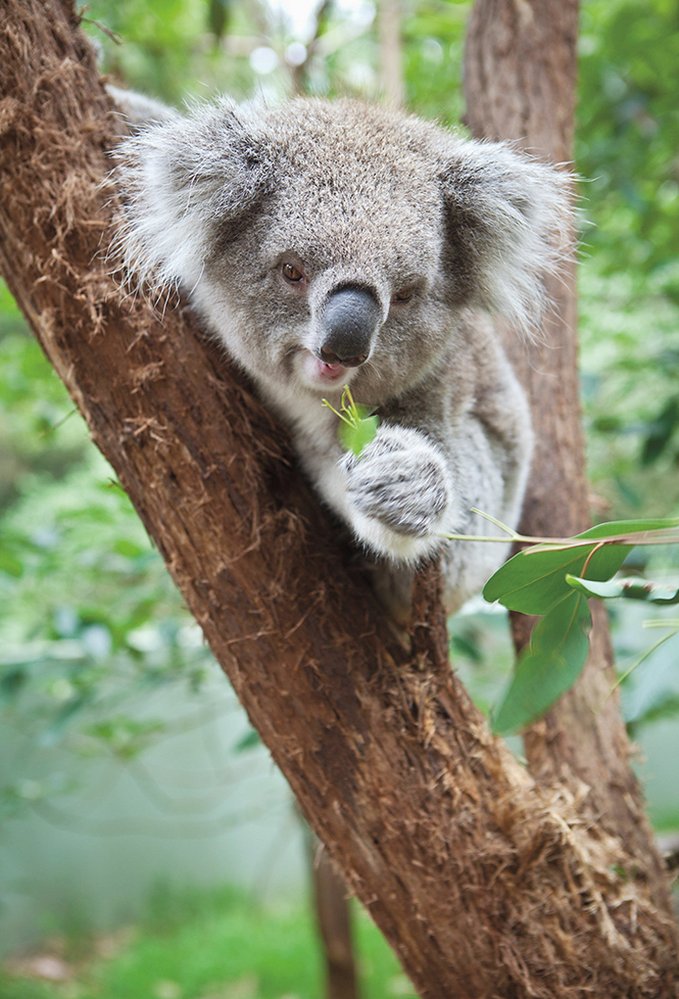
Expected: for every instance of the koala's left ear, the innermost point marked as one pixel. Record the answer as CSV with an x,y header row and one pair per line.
x,y
508,219
187,184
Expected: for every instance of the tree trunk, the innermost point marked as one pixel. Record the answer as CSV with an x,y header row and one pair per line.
x,y
485,885
333,920
520,77
391,58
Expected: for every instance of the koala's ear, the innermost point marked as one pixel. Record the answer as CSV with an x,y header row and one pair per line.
x,y
508,221
185,184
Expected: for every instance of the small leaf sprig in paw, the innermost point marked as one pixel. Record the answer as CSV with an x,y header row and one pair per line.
x,y
358,424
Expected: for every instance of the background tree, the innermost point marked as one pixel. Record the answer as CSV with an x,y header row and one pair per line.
x,y
520,74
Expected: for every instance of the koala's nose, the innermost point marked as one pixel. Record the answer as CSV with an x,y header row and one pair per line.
x,y
349,320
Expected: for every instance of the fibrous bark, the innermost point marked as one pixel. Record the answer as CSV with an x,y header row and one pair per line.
x,y
520,84
485,885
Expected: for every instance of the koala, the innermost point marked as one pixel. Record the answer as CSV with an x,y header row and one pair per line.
x,y
334,243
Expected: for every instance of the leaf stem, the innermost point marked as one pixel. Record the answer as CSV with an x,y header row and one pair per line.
x,y
644,655
340,416
659,537
498,523
597,548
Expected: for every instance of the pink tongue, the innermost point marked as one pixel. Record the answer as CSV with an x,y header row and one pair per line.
x,y
329,371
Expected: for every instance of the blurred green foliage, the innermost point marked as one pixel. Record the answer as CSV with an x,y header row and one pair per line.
x,y
628,155
628,127
205,946
89,620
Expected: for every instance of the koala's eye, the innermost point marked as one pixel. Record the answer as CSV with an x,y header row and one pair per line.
x,y
413,287
292,274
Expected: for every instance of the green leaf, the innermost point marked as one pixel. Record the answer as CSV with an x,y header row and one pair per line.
x,y
466,646
665,705
219,13
358,424
359,435
125,737
128,548
549,666
630,589
10,564
661,431
250,740
534,580
12,682
618,528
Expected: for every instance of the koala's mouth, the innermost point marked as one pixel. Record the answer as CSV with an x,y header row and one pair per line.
x,y
319,373
331,372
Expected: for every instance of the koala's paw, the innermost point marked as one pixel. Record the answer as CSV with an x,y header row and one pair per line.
x,y
399,494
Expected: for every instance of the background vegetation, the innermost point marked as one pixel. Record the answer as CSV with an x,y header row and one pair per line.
x,y
91,629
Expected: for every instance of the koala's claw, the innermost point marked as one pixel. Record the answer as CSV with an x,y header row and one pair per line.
x,y
397,490
409,500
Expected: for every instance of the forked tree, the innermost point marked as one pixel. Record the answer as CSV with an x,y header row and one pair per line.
x,y
489,879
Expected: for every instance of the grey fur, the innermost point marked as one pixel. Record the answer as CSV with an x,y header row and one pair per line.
x,y
231,203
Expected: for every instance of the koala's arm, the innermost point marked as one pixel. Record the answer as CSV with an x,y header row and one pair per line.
x,y
490,460
461,440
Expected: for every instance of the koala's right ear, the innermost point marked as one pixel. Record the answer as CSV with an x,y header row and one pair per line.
x,y
508,223
184,183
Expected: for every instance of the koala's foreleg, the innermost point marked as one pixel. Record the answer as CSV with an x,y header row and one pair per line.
x,y
490,472
407,491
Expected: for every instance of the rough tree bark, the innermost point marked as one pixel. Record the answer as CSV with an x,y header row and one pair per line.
x,y
520,84
485,884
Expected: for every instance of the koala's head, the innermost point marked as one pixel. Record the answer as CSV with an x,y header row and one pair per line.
x,y
327,241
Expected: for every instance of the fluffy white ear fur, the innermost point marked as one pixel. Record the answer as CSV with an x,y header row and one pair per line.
x,y
509,215
179,179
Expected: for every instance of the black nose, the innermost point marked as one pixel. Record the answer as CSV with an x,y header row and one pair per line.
x,y
349,320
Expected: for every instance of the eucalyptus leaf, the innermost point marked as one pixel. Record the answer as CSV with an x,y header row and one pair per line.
x,y
219,13
250,740
664,705
630,589
549,666
615,528
357,436
11,564
358,423
534,580
12,682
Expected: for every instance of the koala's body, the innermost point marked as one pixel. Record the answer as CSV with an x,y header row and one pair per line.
x,y
335,243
